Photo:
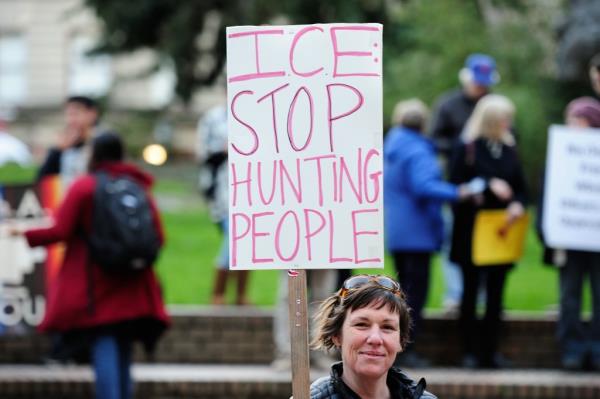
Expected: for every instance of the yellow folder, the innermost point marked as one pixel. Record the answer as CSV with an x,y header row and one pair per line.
x,y
494,242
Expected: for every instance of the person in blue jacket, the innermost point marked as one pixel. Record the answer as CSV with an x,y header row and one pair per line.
x,y
413,195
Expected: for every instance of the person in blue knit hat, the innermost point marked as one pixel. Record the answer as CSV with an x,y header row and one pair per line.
x,y
477,77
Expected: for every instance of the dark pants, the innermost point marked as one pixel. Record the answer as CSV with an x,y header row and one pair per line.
x,y
413,274
480,337
576,338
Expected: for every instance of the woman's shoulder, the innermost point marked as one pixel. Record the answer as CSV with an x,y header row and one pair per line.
x,y
407,144
323,388
83,185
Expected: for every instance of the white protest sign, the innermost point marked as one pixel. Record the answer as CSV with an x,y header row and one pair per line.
x,y
305,146
18,258
571,218
22,273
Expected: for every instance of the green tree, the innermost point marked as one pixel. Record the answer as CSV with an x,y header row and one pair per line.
x,y
191,34
517,34
579,39
425,44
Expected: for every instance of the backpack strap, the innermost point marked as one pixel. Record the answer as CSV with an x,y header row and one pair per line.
x,y
88,263
90,285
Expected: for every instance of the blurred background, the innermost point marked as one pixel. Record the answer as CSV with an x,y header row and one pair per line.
x,y
156,66
156,70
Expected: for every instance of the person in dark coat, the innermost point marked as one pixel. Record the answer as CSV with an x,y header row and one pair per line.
x,y
595,74
487,151
454,108
69,158
368,321
579,341
109,311
451,112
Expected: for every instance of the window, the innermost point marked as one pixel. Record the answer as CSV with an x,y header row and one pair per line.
x,y
163,86
88,75
13,69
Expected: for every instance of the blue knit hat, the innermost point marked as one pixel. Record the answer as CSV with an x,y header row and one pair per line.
x,y
483,69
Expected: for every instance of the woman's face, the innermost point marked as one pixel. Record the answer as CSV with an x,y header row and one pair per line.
x,y
79,118
577,121
370,340
497,127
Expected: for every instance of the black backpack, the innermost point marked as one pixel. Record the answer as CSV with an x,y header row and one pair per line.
x,y
124,237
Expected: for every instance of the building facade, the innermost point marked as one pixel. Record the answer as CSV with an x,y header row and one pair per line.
x,y
43,46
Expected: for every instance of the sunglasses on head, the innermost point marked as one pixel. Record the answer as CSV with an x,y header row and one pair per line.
x,y
356,282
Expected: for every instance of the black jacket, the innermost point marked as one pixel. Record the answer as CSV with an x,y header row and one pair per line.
x,y
449,118
548,255
477,160
53,163
401,386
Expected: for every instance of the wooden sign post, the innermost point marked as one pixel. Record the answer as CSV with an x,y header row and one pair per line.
x,y
299,333
305,156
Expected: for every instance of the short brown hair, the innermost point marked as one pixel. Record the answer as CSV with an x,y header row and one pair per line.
x,y
332,312
412,113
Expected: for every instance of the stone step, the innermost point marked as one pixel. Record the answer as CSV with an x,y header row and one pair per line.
x,y
240,335
204,381
208,334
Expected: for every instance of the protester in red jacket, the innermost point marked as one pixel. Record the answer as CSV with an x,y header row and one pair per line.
x,y
109,310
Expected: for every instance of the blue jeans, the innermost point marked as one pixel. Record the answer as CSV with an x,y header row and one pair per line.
x,y
111,358
452,274
222,260
576,338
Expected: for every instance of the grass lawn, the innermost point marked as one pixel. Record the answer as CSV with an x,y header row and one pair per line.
x,y
13,174
186,263
187,271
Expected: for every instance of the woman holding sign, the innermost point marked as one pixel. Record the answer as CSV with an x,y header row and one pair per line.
x,y
578,341
368,321
487,151
414,194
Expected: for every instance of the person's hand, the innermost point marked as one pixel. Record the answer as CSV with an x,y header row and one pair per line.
x,y
69,138
472,189
14,230
514,211
463,192
500,188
